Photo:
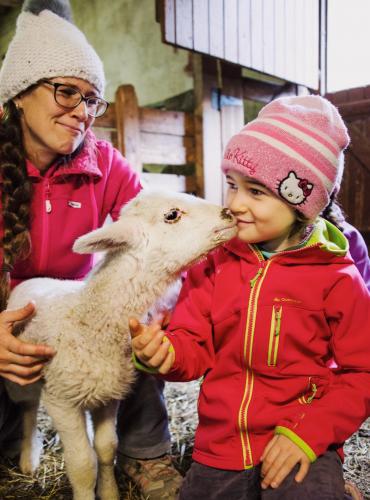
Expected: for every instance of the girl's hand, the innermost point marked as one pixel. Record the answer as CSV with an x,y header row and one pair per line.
x,y
20,362
279,458
151,346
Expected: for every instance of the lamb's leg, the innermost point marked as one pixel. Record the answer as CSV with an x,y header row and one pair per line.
x,y
80,458
105,442
31,441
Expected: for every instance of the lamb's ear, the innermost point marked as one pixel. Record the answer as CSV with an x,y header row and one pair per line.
x,y
109,237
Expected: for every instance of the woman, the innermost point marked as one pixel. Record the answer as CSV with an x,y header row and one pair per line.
x,y
58,182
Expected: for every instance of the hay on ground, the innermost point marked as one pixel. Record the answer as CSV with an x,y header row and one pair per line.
x,y
50,482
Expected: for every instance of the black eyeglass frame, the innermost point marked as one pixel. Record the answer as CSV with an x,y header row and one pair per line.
x,y
56,85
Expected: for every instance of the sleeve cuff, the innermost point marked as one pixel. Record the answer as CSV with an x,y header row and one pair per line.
x,y
298,441
141,367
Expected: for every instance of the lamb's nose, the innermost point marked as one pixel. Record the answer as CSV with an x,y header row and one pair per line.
x,y
226,214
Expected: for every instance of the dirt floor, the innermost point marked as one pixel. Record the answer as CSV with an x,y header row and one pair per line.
x,y
50,481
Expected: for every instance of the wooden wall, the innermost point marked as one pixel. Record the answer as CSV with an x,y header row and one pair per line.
x,y
354,106
277,37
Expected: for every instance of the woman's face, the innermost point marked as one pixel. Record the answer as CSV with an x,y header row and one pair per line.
x,y
49,130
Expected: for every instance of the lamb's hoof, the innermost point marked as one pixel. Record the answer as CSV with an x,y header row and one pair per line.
x,y
30,459
28,464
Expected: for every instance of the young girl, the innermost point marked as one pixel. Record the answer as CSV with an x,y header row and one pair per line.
x,y
260,318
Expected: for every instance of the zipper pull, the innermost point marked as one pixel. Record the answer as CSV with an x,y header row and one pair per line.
x,y
47,196
254,280
278,321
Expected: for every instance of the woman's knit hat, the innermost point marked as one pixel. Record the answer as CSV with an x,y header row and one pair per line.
x,y
46,45
295,148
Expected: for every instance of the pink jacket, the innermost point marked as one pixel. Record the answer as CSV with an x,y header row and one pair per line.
x,y
70,200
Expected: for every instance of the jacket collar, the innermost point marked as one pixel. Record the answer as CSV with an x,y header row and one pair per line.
x,y
85,163
327,243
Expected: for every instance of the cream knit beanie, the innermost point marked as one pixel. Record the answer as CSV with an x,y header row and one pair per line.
x,y
46,45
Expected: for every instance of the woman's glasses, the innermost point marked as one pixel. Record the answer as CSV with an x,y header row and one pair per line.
x,y
70,97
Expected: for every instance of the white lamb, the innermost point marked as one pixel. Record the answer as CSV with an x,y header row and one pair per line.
x,y
158,235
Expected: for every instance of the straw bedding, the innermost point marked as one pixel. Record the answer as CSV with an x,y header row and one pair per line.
x,y
51,483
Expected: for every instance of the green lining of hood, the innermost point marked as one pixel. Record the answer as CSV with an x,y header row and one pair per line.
x,y
329,237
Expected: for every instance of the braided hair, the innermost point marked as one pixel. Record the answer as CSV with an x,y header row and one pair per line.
x,y
16,195
333,212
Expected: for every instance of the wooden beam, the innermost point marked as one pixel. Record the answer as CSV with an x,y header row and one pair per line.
x,y
266,91
128,125
10,3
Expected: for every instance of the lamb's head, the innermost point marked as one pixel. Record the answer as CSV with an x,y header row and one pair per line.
x,y
175,228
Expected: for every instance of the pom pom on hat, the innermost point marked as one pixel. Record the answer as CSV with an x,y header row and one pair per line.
x,y
61,8
46,45
295,148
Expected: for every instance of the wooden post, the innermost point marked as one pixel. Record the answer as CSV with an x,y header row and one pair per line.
x,y
128,125
216,120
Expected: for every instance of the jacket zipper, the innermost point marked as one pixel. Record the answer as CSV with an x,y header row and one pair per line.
x,y
274,335
45,224
255,285
307,400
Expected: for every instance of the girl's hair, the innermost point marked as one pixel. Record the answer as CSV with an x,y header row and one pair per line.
x,y
16,197
333,212
300,224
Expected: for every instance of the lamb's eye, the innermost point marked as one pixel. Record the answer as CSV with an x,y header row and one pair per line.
x,y
174,215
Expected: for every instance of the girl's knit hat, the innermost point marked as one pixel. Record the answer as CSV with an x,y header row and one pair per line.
x,y
46,45
295,148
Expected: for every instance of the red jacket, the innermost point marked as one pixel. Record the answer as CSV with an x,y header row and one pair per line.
x,y
261,333
69,201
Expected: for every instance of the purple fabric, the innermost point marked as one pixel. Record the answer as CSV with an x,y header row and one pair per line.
x,y
358,250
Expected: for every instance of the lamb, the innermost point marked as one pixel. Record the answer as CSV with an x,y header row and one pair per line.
x,y
157,236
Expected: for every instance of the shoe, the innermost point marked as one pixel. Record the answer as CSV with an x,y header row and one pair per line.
x,y
157,478
352,491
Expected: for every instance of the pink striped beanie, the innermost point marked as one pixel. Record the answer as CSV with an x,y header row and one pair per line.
x,y
294,147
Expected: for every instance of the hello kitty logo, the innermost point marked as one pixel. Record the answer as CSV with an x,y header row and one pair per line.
x,y
295,190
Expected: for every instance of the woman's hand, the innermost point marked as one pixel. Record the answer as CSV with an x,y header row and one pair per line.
x,y
280,456
20,362
151,346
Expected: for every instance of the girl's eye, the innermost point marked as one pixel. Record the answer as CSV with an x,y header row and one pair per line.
x,y
232,187
174,215
256,192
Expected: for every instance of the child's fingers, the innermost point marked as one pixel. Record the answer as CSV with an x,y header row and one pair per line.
x,y
143,336
167,363
281,469
270,444
271,466
270,456
135,327
302,473
153,348
160,352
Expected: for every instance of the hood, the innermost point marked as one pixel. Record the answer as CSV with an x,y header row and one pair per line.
x,y
326,244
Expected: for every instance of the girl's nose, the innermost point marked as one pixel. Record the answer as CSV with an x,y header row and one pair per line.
x,y
237,205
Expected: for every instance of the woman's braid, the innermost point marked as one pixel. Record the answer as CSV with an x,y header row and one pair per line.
x,y
16,197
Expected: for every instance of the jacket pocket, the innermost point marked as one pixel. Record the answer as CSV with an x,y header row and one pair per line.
x,y
275,328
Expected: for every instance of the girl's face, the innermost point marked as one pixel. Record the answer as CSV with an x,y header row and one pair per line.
x,y
262,217
49,130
